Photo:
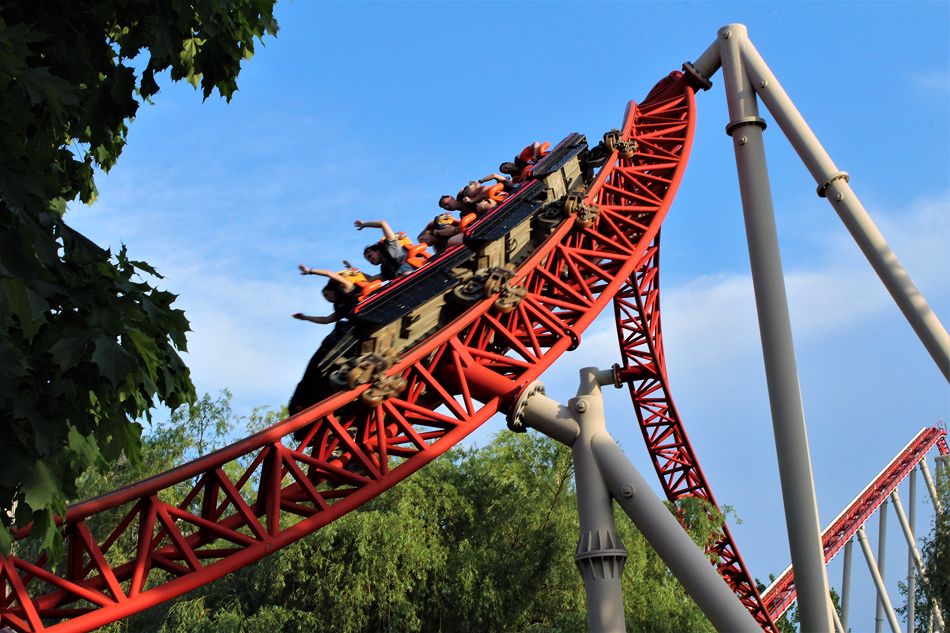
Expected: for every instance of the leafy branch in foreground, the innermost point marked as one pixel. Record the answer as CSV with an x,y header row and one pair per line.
x,y
87,347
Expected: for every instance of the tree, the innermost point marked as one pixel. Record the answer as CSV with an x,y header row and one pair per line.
x,y
88,346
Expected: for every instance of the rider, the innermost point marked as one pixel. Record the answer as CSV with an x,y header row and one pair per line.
x,y
388,253
443,231
343,294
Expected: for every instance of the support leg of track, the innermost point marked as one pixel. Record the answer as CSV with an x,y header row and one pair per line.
x,y
839,627
846,584
878,581
581,426
881,559
788,418
930,485
833,184
911,562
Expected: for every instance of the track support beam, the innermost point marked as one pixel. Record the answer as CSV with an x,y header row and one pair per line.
x,y
911,559
581,426
881,560
788,417
878,581
846,584
833,185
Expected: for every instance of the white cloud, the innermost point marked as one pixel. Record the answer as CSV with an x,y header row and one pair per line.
x,y
932,81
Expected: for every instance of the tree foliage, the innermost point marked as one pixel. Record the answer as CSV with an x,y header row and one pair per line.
x,y
479,540
88,346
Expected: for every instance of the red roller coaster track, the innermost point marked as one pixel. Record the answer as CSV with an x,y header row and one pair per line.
x,y
781,593
269,490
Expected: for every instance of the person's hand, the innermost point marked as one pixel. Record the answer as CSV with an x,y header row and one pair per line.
x,y
304,270
359,225
298,315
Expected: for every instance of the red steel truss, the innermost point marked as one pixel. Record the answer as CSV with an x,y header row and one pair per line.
x,y
781,593
269,490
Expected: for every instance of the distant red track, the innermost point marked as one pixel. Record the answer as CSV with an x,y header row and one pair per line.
x,y
781,593
268,490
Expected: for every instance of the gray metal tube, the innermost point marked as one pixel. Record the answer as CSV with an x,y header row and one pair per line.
x,y
833,184
709,62
593,445
788,418
839,627
881,558
878,581
914,553
911,563
670,540
599,555
930,485
846,584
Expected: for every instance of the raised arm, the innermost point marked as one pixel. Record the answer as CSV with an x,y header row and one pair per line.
x,y
333,318
376,224
345,284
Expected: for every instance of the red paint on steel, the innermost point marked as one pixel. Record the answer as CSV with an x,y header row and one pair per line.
x,y
268,490
781,593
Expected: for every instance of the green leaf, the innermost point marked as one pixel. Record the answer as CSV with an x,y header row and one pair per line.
x,y
70,350
42,488
6,540
114,362
26,305
84,448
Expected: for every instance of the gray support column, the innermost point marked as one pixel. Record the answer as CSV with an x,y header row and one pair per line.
x,y
664,533
881,558
878,581
833,184
654,520
911,564
599,555
788,418
846,584
839,627
930,485
913,552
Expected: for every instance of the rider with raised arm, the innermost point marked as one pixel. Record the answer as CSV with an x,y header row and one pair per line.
x,y
343,294
388,253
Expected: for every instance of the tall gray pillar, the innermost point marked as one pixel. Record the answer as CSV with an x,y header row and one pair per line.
x,y
599,555
911,560
846,584
781,372
878,581
881,555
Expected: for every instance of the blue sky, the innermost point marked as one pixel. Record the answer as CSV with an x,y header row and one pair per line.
x,y
372,110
